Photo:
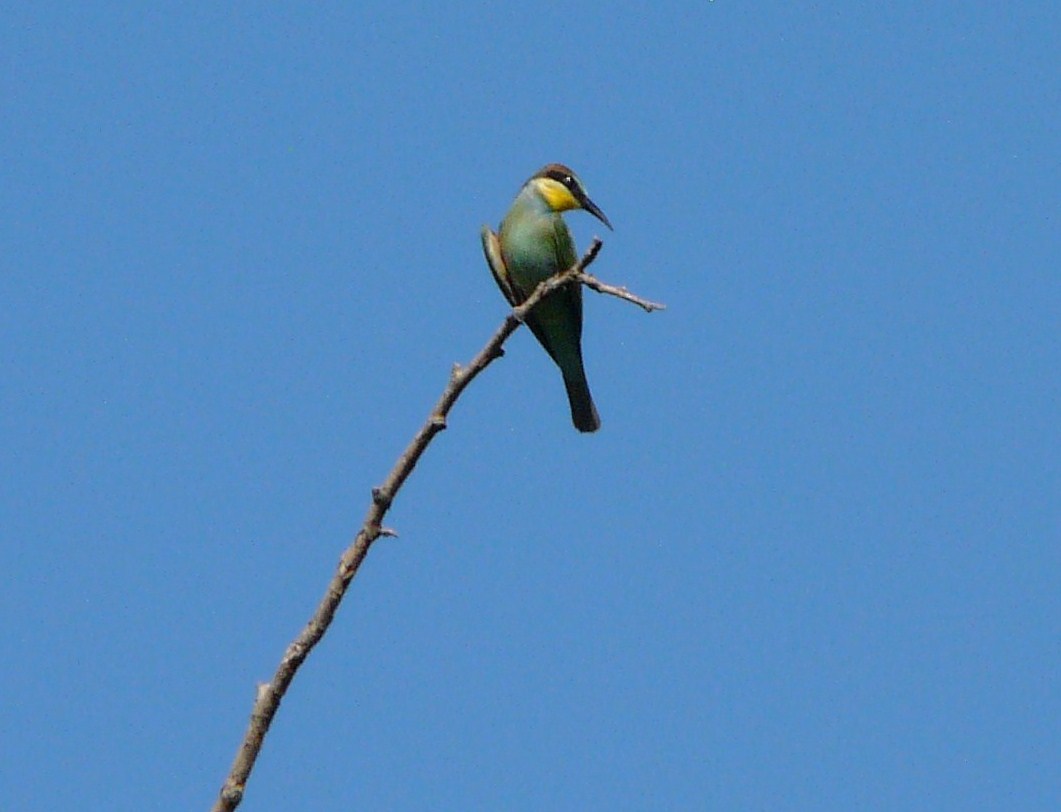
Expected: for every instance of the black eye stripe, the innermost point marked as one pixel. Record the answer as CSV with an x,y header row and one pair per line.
x,y
562,177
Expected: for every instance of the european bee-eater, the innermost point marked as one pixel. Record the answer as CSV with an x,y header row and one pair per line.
x,y
533,244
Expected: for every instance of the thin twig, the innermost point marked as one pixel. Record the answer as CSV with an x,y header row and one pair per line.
x,y
593,283
269,694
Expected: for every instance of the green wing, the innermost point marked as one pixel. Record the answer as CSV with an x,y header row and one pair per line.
x,y
565,259
557,320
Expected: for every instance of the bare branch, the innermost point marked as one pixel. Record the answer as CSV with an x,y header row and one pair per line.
x,y
269,695
593,283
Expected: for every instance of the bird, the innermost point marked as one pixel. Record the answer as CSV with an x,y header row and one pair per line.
x,y
533,244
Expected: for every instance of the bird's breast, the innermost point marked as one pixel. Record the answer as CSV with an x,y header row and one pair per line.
x,y
528,245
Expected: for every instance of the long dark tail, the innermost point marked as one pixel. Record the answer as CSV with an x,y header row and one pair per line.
x,y
583,412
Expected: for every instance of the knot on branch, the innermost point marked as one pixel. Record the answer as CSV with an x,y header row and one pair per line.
x,y
231,795
381,498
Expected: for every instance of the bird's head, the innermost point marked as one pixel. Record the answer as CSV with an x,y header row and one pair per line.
x,y
561,189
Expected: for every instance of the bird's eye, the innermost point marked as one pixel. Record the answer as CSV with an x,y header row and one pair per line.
x,y
568,180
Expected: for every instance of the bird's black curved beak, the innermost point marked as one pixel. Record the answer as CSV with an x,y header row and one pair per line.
x,y
594,209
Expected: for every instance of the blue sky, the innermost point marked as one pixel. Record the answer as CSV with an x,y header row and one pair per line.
x,y
811,560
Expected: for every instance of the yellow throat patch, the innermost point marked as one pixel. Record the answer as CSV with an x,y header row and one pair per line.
x,y
557,195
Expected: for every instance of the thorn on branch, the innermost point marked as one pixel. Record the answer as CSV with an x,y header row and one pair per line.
x,y
591,254
388,532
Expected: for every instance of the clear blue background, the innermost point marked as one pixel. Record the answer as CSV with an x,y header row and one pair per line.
x,y
812,559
